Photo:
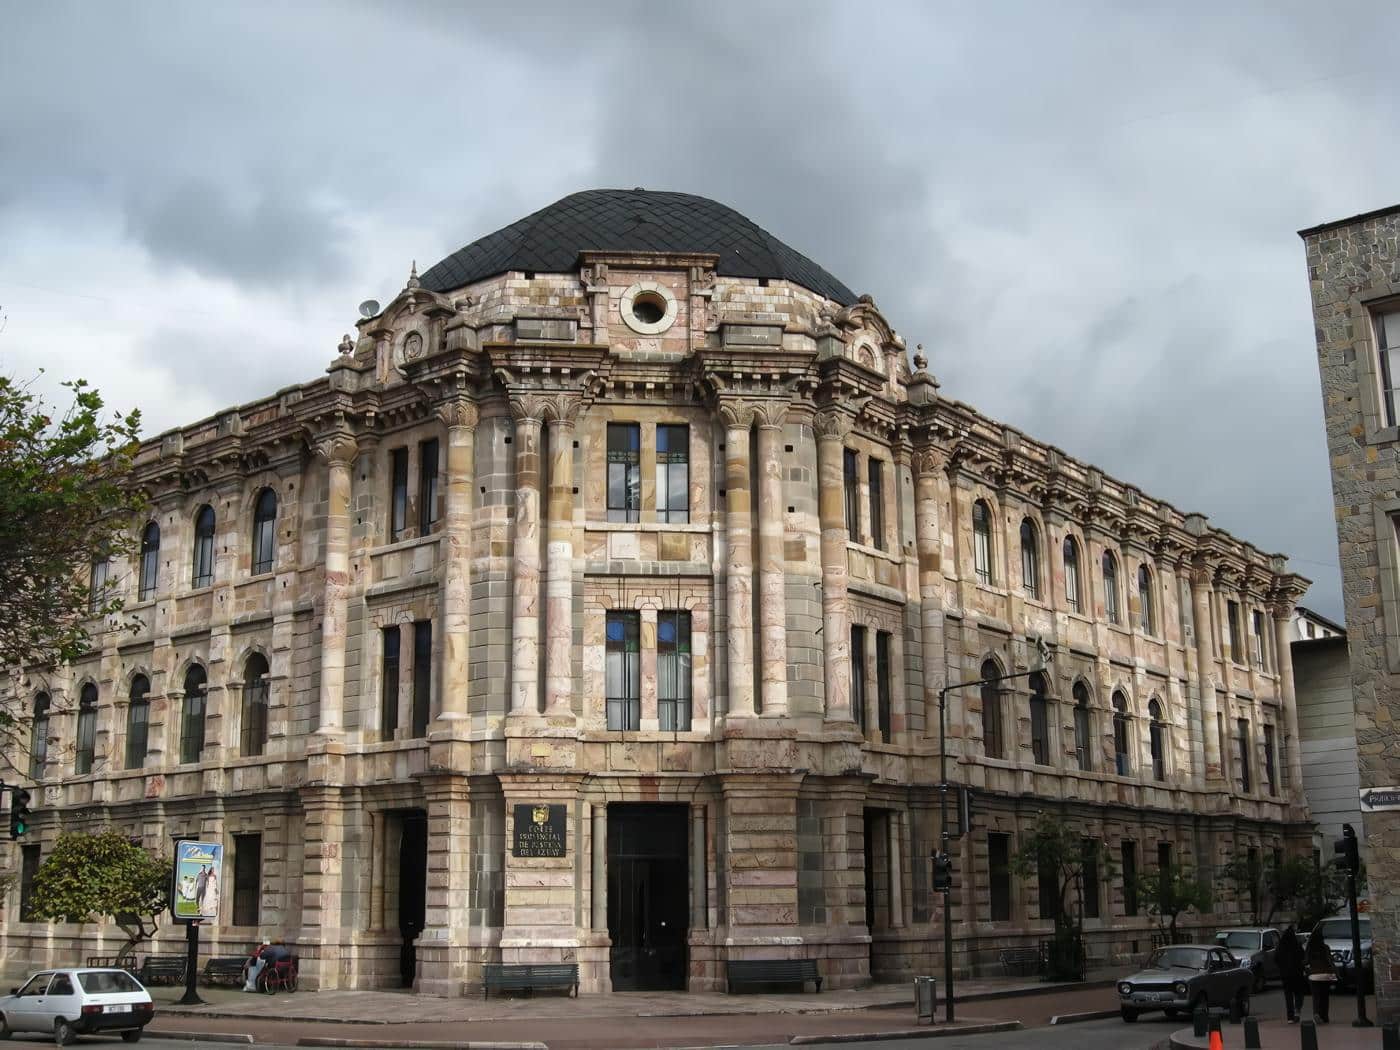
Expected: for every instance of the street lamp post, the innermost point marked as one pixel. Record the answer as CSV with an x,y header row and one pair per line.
x,y
1043,654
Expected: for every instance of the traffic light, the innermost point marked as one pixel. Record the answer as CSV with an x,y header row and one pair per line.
x,y
1346,850
19,812
942,872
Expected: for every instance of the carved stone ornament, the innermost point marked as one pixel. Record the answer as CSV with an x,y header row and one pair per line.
x,y
338,449
412,346
459,413
832,423
347,345
736,413
546,407
929,461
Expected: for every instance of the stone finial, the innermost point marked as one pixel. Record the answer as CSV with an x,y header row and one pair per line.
x,y
920,361
413,276
347,345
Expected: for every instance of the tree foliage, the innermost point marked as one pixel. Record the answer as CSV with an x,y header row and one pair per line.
x,y
1299,886
89,877
1062,856
64,500
1170,893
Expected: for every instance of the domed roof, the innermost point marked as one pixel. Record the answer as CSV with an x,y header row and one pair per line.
x,y
550,240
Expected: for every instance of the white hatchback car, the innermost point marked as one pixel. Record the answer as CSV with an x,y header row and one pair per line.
x,y
70,1003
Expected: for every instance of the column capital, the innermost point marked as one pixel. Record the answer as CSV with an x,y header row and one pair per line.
x,y
540,406
929,461
458,414
830,422
338,448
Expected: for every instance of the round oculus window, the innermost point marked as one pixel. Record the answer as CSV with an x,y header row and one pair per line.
x,y
649,308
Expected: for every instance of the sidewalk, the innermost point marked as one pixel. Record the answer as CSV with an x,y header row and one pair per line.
x,y
1277,1034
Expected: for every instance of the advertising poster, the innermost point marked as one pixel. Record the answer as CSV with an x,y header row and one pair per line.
x,y
199,880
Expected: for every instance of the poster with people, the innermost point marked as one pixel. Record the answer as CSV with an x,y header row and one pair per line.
x,y
199,873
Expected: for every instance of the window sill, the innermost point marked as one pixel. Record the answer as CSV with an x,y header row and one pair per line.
x,y
645,526
259,577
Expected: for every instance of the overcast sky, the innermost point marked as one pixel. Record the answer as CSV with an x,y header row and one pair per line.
x,y
1087,213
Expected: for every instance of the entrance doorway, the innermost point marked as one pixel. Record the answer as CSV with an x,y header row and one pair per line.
x,y
648,895
413,890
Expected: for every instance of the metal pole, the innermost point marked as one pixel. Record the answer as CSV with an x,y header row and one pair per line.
x,y
191,996
943,827
1362,1021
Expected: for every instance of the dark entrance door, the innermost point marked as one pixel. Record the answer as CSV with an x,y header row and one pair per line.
x,y
413,887
648,896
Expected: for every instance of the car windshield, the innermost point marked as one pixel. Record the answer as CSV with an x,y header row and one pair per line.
x,y
1185,958
1238,939
97,982
1340,929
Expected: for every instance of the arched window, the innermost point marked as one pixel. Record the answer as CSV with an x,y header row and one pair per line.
x,y
87,730
982,542
192,715
1121,757
1147,618
1110,587
39,737
203,574
1040,721
1083,728
264,532
138,721
1072,574
150,561
1030,558
992,743
255,695
1158,739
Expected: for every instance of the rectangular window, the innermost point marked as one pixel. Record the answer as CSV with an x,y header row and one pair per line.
x,y
1127,862
999,877
1257,626
1388,350
422,676
1232,610
852,490
1164,871
398,496
858,675
624,472
673,473
427,486
1048,880
29,867
882,684
1091,879
1270,763
97,585
247,879
138,729
673,670
1040,730
1083,750
623,671
1242,739
389,684
877,503
1251,867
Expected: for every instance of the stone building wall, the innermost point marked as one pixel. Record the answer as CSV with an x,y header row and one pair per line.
x,y
809,824
1354,273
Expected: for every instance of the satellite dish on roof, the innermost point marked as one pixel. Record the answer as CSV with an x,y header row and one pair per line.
x,y
369,308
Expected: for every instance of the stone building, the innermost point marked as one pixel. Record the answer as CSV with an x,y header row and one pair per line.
x,y
1354,271
594,606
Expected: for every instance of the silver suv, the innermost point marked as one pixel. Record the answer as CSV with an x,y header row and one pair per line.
x,y
1256,947
1336,931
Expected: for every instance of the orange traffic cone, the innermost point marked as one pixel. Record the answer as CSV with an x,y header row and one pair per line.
x,y
1217,1042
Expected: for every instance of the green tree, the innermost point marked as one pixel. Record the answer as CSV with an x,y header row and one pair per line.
x,y
1168,894
89,877
1059,856
65,500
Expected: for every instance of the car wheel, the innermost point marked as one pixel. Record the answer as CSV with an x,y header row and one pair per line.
x,y
132,1036
1242,1003
63,1033
1170,1014
1200,1003
1261,985
1129,1014
4,1027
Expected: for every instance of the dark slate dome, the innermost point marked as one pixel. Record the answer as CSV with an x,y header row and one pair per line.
x,y
550,240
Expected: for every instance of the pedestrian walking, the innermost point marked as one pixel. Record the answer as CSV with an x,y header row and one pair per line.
x,y
1322,974
1291,973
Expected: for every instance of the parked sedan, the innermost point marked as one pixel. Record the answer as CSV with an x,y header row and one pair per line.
x,y
70,1003
1179,979
1256,948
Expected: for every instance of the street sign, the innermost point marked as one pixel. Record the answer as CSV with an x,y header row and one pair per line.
x,y
1374,799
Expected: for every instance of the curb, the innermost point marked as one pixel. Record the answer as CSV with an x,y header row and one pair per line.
x,y
414,1044
202,1037
907,1033
1086,1015
1185,1039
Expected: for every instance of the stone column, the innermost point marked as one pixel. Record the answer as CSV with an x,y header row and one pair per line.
x,y
599,865
831,428
1283,654
1205,679
928,467
559,570
737,417
899,704
525,611
460,418
894,835
338,450
772,604
444,944
323,937
699,881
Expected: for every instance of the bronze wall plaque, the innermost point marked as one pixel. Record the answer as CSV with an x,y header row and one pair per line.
x,y
540,831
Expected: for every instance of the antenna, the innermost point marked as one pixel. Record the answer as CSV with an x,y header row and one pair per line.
x,y
369,308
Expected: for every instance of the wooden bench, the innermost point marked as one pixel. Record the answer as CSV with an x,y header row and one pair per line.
x,y
163,969
227,968
1020,962
528,976
772,971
